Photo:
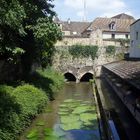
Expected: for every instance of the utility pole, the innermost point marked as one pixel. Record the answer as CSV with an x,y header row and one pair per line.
x,y
84,18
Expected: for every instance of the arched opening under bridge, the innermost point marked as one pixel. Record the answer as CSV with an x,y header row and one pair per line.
x,y
86,77
69,77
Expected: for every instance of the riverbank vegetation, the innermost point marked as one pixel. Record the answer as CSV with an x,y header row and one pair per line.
x,y
20,104
49,80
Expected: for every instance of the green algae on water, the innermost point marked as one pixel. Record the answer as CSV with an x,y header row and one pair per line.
x,y
33,134
48,131
63,113
63,105
69,119
81,109
49,110
51,138
69,101
40,123
85,117
50,134
71,126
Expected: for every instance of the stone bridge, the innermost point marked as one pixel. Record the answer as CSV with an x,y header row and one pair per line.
x,y
77,73
78,67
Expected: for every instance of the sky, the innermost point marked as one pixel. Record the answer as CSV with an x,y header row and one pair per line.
x,y
74,9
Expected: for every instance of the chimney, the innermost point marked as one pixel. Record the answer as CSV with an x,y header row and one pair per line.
x,y
69,21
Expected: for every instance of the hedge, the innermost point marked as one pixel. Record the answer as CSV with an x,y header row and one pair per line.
x,y
18,107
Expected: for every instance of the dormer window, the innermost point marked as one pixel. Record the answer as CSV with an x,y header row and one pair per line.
x,y
112,26
89,29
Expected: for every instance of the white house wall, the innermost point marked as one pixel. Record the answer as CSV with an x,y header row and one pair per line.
x,y
117,35
122,36
106,36
135,43
66,33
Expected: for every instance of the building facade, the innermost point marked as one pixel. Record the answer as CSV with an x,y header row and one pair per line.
x,y
101,32
135,39
111,31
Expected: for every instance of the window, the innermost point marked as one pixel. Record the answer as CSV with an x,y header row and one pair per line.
x,y
137,35
126,36
132,43
112,26
113,36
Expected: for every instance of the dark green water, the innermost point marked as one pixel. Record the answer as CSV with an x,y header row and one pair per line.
x,y
72,116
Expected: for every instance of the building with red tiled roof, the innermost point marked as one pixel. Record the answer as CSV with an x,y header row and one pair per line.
x,y
101,32
107,31
73,28
73,32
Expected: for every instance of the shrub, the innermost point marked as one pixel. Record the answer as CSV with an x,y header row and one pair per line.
x,y
17,107
9,108
30,99
4,135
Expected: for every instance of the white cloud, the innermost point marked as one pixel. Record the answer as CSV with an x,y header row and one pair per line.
x,y
111,14
91,4
76,4
80,13
102,7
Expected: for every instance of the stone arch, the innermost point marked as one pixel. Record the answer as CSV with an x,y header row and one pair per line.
x,y
69,76
85,77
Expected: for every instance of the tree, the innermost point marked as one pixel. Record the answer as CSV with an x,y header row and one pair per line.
x,y
27,32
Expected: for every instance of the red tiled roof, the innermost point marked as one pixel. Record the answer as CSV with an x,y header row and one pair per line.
x,y
123,16
75,26
122,25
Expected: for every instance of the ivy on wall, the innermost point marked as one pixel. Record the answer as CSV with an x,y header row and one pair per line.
x,y
123,41
110,49
83,51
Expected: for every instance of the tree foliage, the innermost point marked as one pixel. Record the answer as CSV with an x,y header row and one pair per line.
x,y
27,31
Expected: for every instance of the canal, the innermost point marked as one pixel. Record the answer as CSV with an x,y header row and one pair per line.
x,y
71,116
